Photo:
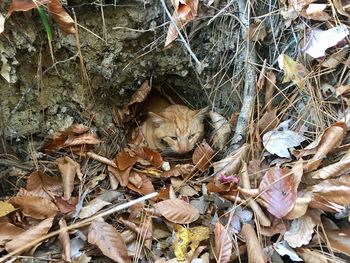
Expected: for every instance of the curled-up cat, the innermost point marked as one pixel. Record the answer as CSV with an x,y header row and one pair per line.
x,y
175,129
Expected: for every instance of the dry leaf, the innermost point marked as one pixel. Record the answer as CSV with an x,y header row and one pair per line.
x,y
146,186
35,206
81,140
25,5
2,23
223,244
268,121
279,190
343,90
185,11
312,256
231,164
177,211
101,159
278,141
202,156
335,59
148,155
330,195
338,240
187,240
125,160
8,232
127,113
293,71
331,138
65,241
68,170
342,7
300,232
135,179
333,170
320,40
121,176
222,130
256,31
30,235
316,12
6,208
40,184
62,18
109,241
255,252
66,206
75,135
178,170
92,208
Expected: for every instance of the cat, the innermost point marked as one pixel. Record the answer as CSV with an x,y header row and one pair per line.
x,y
174,130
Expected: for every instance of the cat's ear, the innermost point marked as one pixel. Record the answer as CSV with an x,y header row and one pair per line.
x,y
201,113
156,119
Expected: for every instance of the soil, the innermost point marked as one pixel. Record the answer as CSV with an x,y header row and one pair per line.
x,y
122,46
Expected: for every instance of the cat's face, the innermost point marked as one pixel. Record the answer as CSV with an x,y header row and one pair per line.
x,y
177,129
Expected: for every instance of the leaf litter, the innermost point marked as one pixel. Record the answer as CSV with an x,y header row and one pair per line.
x,y
278,195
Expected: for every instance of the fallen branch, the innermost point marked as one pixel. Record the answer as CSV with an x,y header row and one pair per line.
x,y
249,81
77,225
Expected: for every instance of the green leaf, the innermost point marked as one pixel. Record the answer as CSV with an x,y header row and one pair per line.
x,y
45,21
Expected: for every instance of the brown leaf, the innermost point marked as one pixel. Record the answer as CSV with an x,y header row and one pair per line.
x,y
81,140
66,206
279,191
178,170
338,240
65,241
333,170
25,5
92,208
330,195
177,211
127,113
62,18
30,235
312,256
68,169
255,252
268,121
144,229
330,139
223,244
39,184
256,31
184,12
109,241
125,160
342,7
35,206
57,140
202,156
316,12
222,130
231,164
101,159
300,231
8,232
146,187
147,154
121,176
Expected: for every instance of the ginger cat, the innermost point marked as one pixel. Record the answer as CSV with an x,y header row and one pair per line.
x,y
175,129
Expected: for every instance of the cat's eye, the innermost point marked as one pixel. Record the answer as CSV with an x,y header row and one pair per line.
x,y
173,138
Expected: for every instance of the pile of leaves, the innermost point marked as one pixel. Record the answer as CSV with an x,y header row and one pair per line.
x,y
283,196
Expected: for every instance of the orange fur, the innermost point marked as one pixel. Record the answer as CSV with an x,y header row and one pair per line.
x,y
176,129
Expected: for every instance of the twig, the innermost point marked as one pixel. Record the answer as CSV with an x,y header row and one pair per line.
x,y
220,12
249,81
77,225
180,35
